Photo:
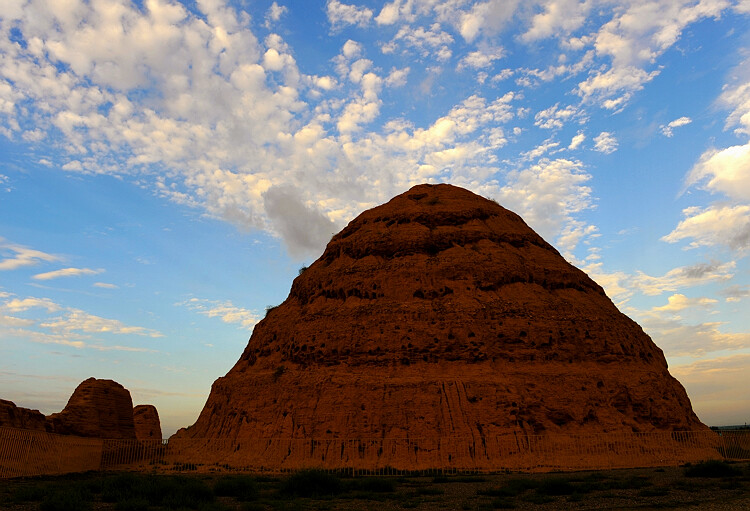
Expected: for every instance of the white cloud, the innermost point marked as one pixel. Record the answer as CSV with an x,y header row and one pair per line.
x,y
503,75
486,18
356,113
605,142
69,339
543,148
480,59
683,277
225,310
559,18
548,195
430,41
24,304
576,141
668,130
389,14
14,322
195,105
714,225
637,34
66,272
678,302
679,339
81,321
18,256
735,293
186,102
555,117
737,97
397,77
105,285
33,135
613,88
351,49
340,14
621,286
615,284
724,170
66,326
274,13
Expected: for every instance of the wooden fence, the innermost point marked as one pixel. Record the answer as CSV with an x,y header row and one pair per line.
x,y
29,453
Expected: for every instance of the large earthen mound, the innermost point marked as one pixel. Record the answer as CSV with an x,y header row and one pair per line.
x,y
12,416
97,408
443,315
147,424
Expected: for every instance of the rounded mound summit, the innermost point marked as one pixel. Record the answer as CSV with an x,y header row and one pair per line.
x,y
442,314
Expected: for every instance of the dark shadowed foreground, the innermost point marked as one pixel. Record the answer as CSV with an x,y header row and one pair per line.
x,y
703,486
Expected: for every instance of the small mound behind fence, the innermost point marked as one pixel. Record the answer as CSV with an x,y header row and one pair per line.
x,y
30,453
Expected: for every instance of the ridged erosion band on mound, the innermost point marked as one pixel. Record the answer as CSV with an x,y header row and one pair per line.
x,y
442,315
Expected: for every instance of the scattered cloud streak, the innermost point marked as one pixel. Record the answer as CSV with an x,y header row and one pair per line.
x,y
226,311
341,14
724,171
69,327
679,302
66,272
668,130
17,256
219,119
712,384
683,277
714,225
605,142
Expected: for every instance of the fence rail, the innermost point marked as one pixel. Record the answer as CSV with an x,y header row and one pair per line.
x,y
28,453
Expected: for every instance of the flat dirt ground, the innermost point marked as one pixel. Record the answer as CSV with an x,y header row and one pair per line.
x,y
705,486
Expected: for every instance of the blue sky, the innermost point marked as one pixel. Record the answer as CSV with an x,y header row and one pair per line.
x,y
166,168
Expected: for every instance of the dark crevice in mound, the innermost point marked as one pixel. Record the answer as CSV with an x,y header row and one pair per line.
x,y
306,292
582,285
388,248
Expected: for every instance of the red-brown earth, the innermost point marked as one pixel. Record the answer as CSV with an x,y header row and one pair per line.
x,y
440,314
147,424
97,408
12,416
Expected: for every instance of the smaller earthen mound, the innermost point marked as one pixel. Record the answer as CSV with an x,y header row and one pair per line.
x,y
12,416
147,424
97,408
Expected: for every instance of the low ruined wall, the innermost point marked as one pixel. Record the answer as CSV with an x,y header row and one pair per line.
x,y
28,453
